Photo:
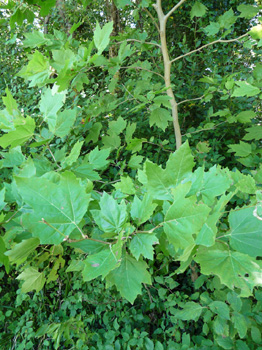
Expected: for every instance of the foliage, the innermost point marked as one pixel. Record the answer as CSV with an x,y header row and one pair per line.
x,y
90,194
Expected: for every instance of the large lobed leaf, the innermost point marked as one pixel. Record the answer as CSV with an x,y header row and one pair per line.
x,y
235,270
160,181
57,207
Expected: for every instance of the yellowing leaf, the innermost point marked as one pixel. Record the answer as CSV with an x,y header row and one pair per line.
x,y
33,280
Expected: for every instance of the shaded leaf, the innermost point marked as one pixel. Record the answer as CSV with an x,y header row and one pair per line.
x,y
142,244
129,276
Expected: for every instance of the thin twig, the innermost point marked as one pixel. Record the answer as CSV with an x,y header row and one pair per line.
x,y
49,149
133,96
153,19
54,228
174,9
204,46
150,71
197,131
86,238
140,41
192,99
148,292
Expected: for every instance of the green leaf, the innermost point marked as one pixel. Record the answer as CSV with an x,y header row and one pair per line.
x,y
180,163
37,70
254,133
129,276
135,145
160,117
103,262
34,39
122,3
256,32
215,182
257,72
142,244
184,218
3,258
125,185
159,346
117,126
234,301
33,280
22,250
93,133
50,104
158,181
163,100
225,342
178,167
227,19
20,135
13,158
141,211
27,168
111,141
130,129
207,234
240,324
86,171
98,159
64,122
57,207
245,235
220,308
102,36
212,29
88,246
112,216
242,149
234,269
46,7
191,311
124,51
2,199
247,11
75,265
198,10
134,161
256,335
245,89
74,154
245,116
244,183
10,103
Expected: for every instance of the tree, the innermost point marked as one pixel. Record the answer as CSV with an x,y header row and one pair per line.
x,y
63,191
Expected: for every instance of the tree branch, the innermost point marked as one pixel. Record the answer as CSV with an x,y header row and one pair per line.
x,y
209,44
174,9
153,19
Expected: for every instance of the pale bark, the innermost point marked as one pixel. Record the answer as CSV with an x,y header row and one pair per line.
x,y
167,67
